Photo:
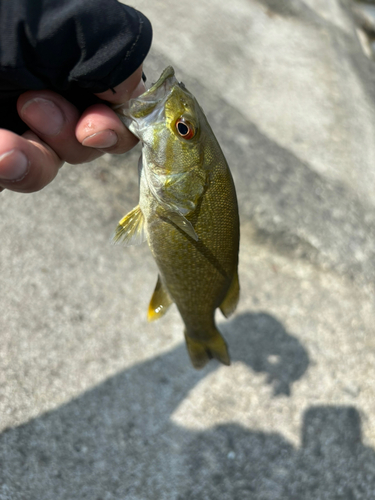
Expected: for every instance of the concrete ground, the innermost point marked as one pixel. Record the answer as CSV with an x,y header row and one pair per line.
x,y
95,403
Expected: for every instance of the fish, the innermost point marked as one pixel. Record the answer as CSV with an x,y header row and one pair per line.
x,y
187,212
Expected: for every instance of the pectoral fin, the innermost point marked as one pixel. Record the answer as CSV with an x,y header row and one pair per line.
x,y
182,222
184,190
159,303
229,304
131,228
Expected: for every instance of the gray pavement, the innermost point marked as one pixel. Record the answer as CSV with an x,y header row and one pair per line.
x,y
95,403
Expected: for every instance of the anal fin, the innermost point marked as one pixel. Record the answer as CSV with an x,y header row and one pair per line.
x,y
131,228
159,303
229,304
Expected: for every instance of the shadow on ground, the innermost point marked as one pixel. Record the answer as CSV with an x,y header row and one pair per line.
x,y
117,441
332,462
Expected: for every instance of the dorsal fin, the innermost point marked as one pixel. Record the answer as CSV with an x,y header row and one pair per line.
x,y
131,228
229,304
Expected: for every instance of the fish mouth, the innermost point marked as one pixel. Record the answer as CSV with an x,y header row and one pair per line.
x,y
158,90
145,103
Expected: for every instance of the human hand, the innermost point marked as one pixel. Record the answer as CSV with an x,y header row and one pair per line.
x,y
58,133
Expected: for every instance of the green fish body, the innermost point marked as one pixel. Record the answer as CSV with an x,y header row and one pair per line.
x,y
187,212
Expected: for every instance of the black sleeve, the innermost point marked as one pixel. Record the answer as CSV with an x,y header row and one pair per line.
x,y
74,47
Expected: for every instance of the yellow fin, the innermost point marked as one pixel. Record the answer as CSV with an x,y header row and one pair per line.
x,y
131,228
229,304
200,352
159,303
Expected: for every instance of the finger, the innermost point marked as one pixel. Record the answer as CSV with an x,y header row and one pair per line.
x,y
100,127
26,163
99,124
54,120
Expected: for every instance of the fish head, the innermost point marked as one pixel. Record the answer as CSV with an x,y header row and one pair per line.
x,y
168,121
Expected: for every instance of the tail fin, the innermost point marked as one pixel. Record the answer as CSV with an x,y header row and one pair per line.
x,y
201,352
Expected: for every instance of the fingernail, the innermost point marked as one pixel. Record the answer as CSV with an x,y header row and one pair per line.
x,y
13,165
43,116
102,139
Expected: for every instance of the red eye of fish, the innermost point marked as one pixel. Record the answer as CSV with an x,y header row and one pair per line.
x,y
185,129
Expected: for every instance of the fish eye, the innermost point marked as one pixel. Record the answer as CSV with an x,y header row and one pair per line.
x,y
185,129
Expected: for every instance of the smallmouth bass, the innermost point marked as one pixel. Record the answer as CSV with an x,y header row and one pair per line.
x,y
187,212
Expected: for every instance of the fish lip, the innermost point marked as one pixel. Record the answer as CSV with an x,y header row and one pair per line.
x,y
168,73
155,94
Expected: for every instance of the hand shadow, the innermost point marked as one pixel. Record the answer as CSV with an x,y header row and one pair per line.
x,y
261,342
